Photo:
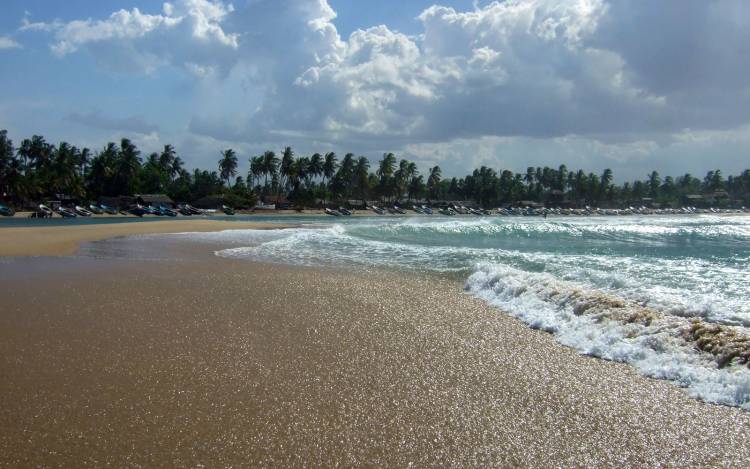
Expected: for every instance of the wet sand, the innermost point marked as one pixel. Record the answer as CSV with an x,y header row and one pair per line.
x,y
221,363
64,240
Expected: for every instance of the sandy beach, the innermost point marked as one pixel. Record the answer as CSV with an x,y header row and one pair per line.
x,y
232,363
64,240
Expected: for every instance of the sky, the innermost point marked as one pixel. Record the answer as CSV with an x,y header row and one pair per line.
x,y
623,84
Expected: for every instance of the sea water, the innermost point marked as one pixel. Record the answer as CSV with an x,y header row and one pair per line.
x,y
638,289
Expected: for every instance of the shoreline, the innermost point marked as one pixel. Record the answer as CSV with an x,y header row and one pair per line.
x,y
233,363
27,241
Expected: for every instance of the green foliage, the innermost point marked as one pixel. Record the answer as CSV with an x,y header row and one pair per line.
x,y
36,170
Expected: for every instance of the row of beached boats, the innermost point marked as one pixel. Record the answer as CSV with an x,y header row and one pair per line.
x,y
594,211
452,210
43,211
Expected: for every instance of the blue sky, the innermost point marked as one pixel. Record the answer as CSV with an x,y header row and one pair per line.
x,y
629,85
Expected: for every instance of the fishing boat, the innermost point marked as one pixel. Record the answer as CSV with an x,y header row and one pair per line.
x,y
184,210
95,209
82,211
426,210
166,211
6,211
398,209
138,211
418,210
227,209
332,212
153,211
108,209
447,211
344,211
45,211
194,211
66,212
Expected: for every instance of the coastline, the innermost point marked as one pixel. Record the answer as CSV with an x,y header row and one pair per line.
x,y
28,241
234,363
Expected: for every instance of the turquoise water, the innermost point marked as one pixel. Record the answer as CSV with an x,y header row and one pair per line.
x,y
620,288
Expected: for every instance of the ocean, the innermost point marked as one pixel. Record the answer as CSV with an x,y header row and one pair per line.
x,y
669,295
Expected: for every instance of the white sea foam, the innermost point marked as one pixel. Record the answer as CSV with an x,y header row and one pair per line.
x,y
603,329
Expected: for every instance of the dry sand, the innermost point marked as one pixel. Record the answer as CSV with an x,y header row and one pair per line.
x,y
64,240
223,363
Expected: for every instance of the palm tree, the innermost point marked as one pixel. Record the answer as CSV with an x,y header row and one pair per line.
x,y
315,166
654,181
84,157
606,183
228,165
256,168
433,181
329,166
176,168
300,172
361,177
166,160
270,164
402,177
342,181
127,167
416,187
285,170
386,167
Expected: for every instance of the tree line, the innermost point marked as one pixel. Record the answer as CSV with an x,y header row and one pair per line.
x,y
38,170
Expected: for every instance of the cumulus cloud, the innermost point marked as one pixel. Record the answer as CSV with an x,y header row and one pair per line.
x,y
186,33
97,120
627,77
8,43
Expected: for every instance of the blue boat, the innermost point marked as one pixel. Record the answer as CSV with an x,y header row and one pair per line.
x,y
165,211
6,211
108,209
138,211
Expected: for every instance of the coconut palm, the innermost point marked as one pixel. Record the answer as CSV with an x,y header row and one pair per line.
x,y
270,166
127,167
315,167
654,181
361,177
330,166
256,169
285,168
433,181
166,160
386,168
228,165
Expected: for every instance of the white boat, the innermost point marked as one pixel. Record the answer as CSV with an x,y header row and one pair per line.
x,y
82,211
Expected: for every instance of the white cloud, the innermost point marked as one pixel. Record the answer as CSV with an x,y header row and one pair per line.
x,y
186,33
8,43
